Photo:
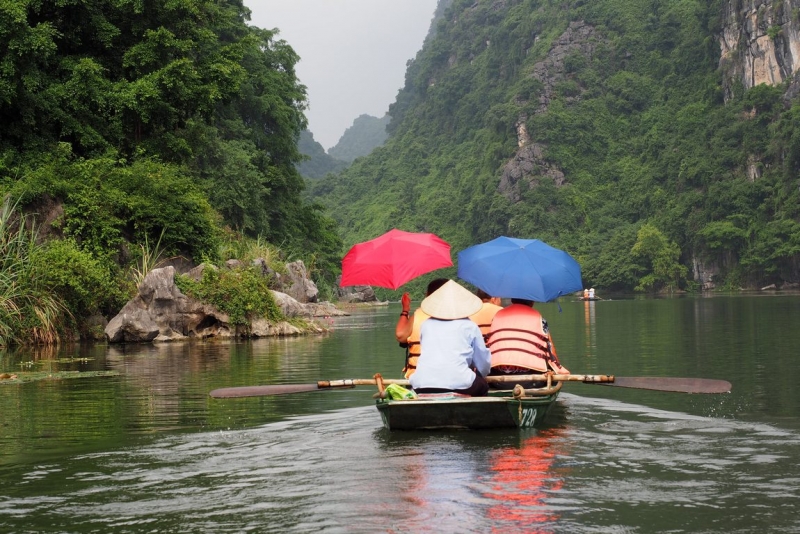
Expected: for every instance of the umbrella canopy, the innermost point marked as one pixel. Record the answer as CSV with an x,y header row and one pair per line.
x,y
394,258
520,268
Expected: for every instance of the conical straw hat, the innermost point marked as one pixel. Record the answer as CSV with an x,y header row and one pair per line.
x,y
451,301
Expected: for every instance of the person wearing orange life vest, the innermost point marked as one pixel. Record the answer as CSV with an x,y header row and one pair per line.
x,y
407,331
520,341
491,305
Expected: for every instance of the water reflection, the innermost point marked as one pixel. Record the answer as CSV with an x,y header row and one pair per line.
x,y
590,333
522,479
103,454
604,466
468,481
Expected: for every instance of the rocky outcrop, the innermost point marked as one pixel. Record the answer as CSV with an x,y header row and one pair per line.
x,y
760,43
529,166
705,274
578,43
294,282
297,284
354,294
161,312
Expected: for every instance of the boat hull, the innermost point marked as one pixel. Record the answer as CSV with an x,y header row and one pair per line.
x,y
498,410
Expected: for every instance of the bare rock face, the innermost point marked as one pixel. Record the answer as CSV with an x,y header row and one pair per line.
x,y
705,274
759,43
161,312
299,286
579,40
291,308
529,166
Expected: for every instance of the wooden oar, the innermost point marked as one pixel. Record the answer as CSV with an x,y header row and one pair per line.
x,y
681,385
283,389
654,383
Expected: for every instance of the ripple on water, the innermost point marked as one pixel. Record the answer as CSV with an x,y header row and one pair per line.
x,y
601,465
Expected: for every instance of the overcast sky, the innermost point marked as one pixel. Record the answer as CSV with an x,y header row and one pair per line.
x,y
353,53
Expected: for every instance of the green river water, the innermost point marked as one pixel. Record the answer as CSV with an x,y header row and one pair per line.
x,y
149,451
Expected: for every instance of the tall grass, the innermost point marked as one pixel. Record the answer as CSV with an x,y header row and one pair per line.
x,y
246,249
28,314
151,257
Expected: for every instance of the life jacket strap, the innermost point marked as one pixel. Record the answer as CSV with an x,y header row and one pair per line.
x,y
543,355
408,365
522,330
543,347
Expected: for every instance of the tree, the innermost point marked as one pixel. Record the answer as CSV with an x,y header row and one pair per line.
x,y
660,257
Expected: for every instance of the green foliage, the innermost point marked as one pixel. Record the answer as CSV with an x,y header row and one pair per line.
x,y
243,294
245,249
29,311
317,162
151,256
108,204
623,104
660,256
774,249
724,235
773,32
611,265
151,121
80,281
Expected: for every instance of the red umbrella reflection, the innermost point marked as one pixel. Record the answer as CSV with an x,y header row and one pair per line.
x,y
522,480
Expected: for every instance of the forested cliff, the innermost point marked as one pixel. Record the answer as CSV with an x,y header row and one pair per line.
x,y
655,140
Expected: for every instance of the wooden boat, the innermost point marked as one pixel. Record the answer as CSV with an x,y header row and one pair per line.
x,y
524,406
517,408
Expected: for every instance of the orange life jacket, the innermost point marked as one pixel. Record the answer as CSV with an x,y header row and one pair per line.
x,y
413,348
484,317
517,338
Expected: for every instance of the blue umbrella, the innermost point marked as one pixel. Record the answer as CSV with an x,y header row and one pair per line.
x,y
520,268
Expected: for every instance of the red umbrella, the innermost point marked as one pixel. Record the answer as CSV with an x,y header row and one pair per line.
x,y
394,258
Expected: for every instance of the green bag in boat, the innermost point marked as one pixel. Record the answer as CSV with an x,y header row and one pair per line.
x,y
396,392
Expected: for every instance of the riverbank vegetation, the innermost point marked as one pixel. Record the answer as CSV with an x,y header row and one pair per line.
x,y
131,134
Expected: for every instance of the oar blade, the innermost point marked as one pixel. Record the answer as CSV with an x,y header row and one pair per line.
x,y
680,385
261,391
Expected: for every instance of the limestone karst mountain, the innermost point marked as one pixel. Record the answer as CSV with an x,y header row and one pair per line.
x,y
655,141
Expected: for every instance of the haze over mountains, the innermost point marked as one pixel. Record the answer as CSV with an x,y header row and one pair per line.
x,y
366,134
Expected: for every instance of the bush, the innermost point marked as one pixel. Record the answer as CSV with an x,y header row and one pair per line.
x,y
29,312
108,204
242,293
84,284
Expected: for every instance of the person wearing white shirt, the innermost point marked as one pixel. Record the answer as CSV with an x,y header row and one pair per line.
x,y
454,357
